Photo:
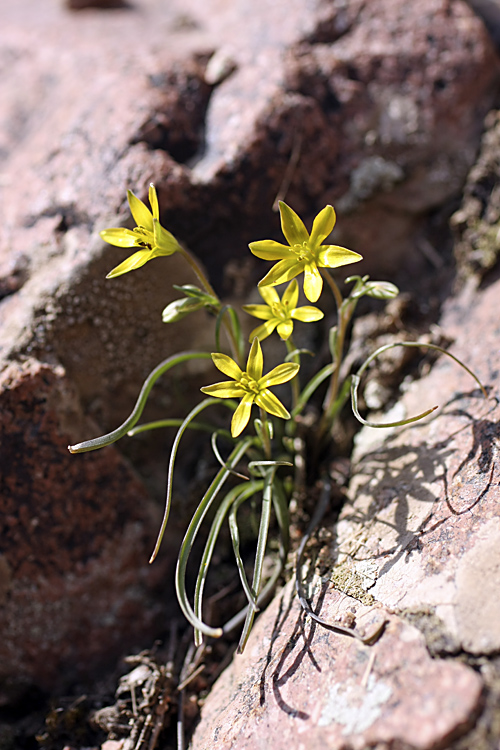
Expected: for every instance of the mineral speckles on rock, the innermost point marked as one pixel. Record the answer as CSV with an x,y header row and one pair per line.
x,y
477,603
436,539
355,706
298,683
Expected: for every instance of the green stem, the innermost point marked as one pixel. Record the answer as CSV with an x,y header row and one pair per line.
x,y
202,278
333,286
265,434
331,397
290,347
200,274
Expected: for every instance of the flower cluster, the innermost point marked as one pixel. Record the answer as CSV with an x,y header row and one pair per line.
x,y
279,313
304,253
251,386
149,235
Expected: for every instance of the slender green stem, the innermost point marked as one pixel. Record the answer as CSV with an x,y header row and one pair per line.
x,y
228,318
333,286
200,274
334,383
229,324
265,434
191,533
290,347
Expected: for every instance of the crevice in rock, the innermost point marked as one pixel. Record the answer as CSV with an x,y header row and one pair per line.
x,y
335,20
177,125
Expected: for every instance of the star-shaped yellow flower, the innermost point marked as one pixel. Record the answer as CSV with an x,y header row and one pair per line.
x,y
280,313
251,386
304,252
149,235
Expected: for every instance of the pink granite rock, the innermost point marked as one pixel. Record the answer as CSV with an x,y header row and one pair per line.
x,y
75,587
300,686
422,526
379,103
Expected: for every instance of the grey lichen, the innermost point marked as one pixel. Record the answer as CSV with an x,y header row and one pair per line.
x,y
347,580
374,175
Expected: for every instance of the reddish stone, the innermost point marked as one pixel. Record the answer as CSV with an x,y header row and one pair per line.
x,y
75,587
428,497
99,101
301,686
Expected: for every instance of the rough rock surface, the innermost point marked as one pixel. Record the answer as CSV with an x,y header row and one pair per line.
x,y
422,527
75,587
419,535
374,103
300,686
475,224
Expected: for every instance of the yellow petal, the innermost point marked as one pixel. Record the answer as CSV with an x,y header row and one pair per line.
x,y
280,374
292,226
322,226
333,256
263,331
255,361
119,237
269,250
313,283
269,295
307,314
285,329
270,403
141,213
131,264
285,270
227,365
165,242
228,389
291,295
263,312
242,414
153,201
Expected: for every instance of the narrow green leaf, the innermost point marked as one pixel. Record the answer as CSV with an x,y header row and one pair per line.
x,y
417,344
190,536
243,491
161,369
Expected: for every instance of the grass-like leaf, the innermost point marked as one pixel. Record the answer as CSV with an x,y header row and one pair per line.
x,y
237,494
161,423
418,344
161,369
265,517
187,544
170,476
312,385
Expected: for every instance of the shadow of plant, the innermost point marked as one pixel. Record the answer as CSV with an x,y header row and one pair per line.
x,y
399,483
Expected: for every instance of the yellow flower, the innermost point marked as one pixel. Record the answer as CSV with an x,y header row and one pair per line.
x,y
251,386
280,314
304,252
149,235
